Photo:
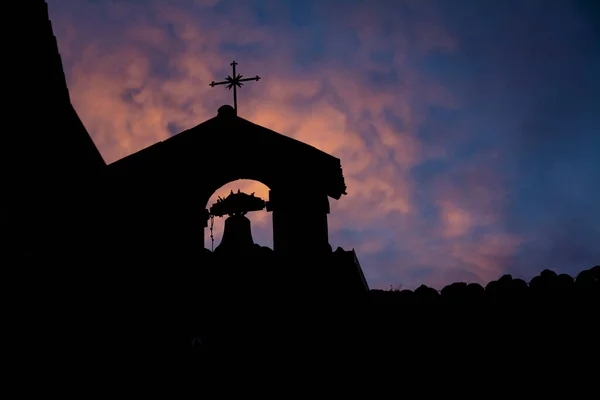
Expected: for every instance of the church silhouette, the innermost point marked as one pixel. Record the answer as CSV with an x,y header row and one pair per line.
x,y
140,222
114,258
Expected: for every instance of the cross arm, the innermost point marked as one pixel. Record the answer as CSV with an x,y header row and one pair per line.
x,y
213,83
256,78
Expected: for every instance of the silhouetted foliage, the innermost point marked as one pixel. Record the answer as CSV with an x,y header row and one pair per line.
x,y
545,289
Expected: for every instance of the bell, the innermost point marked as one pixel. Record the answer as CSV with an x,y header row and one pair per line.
x,y
237,236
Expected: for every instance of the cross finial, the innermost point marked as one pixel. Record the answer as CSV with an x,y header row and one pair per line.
x,y
234,82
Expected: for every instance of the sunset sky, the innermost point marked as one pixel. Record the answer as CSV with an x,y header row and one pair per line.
x,y
469,131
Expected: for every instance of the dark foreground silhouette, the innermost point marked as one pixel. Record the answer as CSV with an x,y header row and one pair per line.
x,y
508,330
559,303
116,295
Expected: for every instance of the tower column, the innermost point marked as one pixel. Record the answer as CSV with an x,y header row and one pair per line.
x,y
299,223
204,217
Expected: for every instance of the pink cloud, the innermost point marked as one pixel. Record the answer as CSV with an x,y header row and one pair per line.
x,y
126,106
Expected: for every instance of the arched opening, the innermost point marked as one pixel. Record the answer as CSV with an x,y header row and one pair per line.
x,y
262,221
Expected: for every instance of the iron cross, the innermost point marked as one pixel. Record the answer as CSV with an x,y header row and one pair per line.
x,y
234,83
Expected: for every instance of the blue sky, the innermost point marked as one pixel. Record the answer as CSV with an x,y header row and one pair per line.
x,y
469,131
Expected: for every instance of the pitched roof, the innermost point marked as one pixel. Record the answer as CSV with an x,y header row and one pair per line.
x,y
230,136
